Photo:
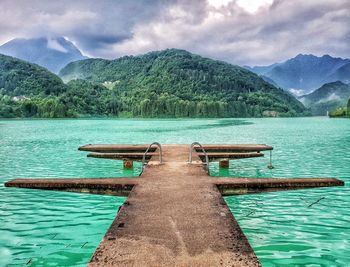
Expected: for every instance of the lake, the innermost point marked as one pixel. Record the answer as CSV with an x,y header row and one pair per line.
x,y
306,228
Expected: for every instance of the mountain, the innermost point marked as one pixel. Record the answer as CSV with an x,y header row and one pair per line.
x,y
51,53
269,80
20,78
327,98
169,83
342,74
257,70
29,90
176,83
261,70
305,73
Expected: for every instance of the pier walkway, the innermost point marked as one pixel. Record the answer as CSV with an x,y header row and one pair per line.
x,y
175,214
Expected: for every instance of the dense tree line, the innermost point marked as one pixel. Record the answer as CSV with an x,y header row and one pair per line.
x,y
49,107
87,99
341,112
169,83
81,98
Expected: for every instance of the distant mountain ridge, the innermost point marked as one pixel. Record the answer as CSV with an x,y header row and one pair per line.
x,y
306,72
327,98
50,53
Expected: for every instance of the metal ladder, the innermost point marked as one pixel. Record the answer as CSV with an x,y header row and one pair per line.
x,y
206,164
145,154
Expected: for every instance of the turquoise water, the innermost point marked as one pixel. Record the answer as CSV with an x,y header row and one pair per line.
x,y
44,228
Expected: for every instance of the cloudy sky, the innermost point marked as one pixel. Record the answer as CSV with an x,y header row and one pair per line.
x,y
251,32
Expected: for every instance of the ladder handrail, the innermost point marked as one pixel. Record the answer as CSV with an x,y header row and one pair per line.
x,y
204,152
149,147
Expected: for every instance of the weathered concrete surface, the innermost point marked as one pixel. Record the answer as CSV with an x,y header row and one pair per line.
x,y
235,147
215,156
174,217
119,148
239,186
105,186
137,156
115,148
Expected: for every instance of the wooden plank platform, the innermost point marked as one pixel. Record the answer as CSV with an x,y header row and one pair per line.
x,y
175,214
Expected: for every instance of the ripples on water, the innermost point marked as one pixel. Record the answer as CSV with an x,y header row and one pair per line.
x,y
52,228
63,229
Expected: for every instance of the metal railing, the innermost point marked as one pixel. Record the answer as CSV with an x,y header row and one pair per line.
x,y
149,147
204,152
270,166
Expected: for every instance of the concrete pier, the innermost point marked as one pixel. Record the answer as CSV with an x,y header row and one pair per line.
x,y
174,217
101,186
175,214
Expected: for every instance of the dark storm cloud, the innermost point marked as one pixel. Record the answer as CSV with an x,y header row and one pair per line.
x,y
224,31
98,42
90,24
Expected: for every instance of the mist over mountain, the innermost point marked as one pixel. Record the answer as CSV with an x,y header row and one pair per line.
x,y
305,73
327,98
342,74
51,53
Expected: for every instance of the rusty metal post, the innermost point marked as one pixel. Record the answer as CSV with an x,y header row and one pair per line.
x,y
128,164
224,163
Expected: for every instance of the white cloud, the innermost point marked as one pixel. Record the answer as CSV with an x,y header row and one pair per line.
x,y
54,44
238,31
297,92
253,6
218,3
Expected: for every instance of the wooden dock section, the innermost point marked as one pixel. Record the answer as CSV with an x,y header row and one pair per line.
x,y
175,214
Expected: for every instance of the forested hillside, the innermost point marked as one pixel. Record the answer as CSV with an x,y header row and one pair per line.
x,y
81,99
19,77
169,83
28,90
176,83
